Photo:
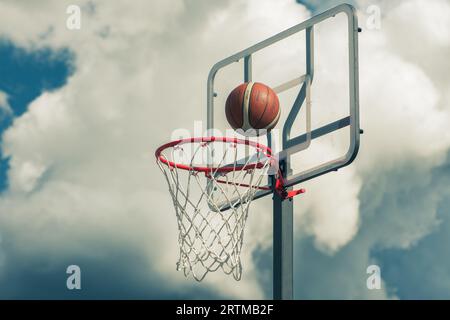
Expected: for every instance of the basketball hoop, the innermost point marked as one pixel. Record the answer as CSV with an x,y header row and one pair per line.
x,y
212,182
212,199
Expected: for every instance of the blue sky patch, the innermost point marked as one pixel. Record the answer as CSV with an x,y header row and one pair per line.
x,y
24,76
317,6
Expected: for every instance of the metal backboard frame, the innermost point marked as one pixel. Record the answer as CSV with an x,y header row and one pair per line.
x,y
283,210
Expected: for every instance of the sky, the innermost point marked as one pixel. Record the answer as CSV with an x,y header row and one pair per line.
x,y
82,111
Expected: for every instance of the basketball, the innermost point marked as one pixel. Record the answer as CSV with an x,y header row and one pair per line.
x,y
252,106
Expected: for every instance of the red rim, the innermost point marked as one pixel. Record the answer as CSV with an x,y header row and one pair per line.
x,y
266,150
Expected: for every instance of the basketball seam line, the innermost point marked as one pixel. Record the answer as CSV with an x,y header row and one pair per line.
x,y
246,107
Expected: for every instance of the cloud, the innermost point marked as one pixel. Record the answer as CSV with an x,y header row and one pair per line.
x,y
83,180
409,138
5,108
421,271
402,164
81,158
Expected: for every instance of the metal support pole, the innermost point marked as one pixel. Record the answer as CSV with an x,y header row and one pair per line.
x,y
283,246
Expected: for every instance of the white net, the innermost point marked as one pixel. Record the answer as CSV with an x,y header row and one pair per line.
x,y
212,201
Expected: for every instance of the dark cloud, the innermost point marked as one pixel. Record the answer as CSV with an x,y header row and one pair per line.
x,y
404,228
423,270
116,273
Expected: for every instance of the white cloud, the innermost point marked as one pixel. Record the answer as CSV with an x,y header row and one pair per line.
x,y
82,160
405,107
329,210
5,108
82,163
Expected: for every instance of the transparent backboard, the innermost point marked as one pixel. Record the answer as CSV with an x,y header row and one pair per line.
x,y
313,67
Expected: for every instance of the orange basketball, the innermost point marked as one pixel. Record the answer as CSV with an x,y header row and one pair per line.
x,y
252,106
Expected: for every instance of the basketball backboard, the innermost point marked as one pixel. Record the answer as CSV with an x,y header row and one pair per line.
x,y
297,77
